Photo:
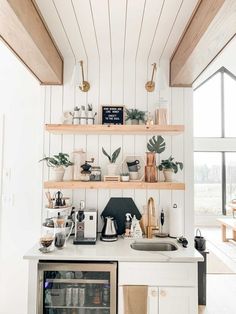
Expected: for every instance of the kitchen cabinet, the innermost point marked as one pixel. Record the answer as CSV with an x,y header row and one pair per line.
x,y
172,287
175,300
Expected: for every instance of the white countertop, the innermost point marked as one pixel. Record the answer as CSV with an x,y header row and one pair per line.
x,y
116,251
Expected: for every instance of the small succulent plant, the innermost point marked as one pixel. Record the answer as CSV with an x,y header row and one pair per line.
x,y
124,174
114,155
90,107
156,144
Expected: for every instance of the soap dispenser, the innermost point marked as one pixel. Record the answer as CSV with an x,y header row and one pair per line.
x,y
128,223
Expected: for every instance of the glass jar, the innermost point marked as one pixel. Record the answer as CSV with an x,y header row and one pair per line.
x,y
85,176
96,173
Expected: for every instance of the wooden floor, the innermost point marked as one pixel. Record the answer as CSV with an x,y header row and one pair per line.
x,y
221,292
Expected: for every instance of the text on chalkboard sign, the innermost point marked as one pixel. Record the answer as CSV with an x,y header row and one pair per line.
x,y
112,114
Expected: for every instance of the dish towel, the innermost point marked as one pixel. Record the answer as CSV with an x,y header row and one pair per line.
x,y
135,299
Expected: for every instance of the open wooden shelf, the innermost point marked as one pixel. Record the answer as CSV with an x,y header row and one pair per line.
x,y
114,185
114,129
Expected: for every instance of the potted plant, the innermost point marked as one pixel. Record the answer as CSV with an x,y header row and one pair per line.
x,y
135,116
111,167
124,177
155,145
169,166
58,163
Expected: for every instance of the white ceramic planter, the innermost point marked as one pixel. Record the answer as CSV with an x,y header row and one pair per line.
x,y
57,174
83,117
134,121
124,178
90,119
111,169
168,175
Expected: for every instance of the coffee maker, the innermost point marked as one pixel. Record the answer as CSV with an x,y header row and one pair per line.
x,y
85,225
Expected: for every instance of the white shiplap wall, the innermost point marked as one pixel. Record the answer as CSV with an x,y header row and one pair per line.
x,y
62,98
118,41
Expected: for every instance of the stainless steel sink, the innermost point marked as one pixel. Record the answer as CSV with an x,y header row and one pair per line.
x,y
153,246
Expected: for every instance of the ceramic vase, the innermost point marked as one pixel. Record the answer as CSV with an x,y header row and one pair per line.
x,y
111,169
57,173
151,168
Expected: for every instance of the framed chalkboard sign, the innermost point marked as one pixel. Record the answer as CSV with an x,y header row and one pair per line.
x,y
113,114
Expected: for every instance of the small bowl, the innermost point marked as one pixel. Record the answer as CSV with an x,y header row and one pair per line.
x,y
52,230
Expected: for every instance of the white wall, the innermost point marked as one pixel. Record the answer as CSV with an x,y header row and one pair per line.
x,y
225,59
27,106
21,116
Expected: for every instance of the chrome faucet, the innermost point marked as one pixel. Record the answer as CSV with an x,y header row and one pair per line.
x,y
150,214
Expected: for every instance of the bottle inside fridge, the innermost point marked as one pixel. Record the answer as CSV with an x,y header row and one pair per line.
x,y
77,288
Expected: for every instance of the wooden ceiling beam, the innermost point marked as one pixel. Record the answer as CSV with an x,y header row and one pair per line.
x,y
23,30
210,29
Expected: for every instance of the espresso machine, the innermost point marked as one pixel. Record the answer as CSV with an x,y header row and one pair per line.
x,y
85,225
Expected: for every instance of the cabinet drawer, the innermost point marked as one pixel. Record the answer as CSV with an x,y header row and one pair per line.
x,y
157,274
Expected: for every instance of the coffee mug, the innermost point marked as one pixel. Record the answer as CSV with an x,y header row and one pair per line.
x,y
132,163
134,168
133,175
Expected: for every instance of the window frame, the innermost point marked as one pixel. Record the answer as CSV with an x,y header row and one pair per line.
x,y
222,142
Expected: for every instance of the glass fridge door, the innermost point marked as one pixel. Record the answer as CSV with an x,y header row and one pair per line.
x,y
77,288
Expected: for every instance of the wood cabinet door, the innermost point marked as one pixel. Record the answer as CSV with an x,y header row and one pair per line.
x,y
177,300
152,301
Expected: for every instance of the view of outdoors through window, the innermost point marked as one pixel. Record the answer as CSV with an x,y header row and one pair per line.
x,y
215,171
208,183
230,163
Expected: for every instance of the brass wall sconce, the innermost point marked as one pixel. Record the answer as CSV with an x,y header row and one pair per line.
x,y
150,85
85,86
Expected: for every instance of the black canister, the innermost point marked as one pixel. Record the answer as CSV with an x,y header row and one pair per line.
x,y
199,241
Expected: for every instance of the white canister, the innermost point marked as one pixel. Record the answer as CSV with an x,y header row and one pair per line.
x,y
176,221
79,157
83,117
90,118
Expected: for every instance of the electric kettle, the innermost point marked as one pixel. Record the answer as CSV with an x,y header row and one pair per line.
x,y
109,230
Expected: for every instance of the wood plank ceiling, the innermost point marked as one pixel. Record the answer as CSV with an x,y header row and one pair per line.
x,y
117,31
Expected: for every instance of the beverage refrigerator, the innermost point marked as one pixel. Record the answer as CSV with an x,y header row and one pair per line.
x,y
77,288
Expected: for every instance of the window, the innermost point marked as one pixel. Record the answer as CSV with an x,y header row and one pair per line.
x,y
230,105
215,143
230,164
208,183
207,103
